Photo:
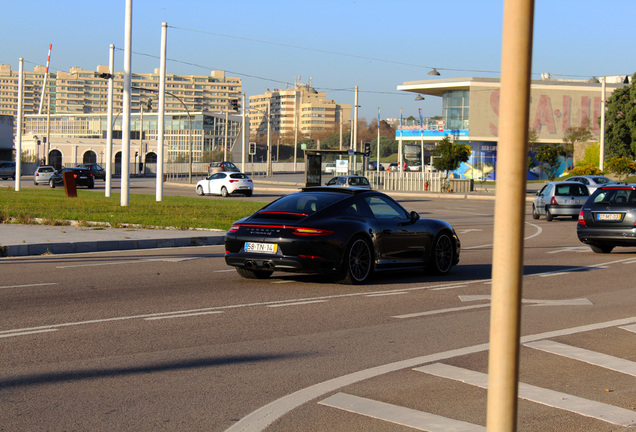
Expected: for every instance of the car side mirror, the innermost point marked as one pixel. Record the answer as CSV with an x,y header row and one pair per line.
x,y
415,216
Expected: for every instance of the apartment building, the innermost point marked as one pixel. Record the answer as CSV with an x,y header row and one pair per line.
x,y
301,109
82,91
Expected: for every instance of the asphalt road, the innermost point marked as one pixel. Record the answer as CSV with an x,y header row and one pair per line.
x,y
174,340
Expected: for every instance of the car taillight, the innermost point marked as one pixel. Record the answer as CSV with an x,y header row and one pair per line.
x,y
74,175
233,181
311,231
234,228
581,218
553,201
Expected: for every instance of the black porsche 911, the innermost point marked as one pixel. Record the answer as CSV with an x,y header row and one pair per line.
x,y
347,232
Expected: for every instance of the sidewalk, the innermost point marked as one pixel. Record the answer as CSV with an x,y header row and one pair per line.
x,y
22,240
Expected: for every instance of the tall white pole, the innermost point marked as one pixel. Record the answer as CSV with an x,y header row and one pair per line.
x,y
46,75
109,120
269,140
18,128
601,164
354,140
125,139
160,111
377,155
243,132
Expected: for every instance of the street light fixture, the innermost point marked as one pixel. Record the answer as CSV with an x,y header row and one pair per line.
x,y
433,72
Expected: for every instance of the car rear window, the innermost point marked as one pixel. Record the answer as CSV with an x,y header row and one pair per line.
x,y
300,204
239,176
571,190
615,196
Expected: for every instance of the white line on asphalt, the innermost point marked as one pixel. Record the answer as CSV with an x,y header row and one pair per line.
x,y
537,233
258,420
224,271
138,261
399,415
564,401
28,285
296,303
594,358
442,311
25,333
184,315
387,294
535,302
631,328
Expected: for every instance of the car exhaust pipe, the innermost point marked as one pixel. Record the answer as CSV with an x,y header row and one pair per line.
x,y
268,264
249,264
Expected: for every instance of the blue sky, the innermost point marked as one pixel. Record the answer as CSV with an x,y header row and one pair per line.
x,y
376,45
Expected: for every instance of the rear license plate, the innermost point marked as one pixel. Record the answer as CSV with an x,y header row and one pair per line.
x,y
608,216
270,248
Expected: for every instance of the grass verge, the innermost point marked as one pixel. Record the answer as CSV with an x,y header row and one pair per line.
x,y
178,212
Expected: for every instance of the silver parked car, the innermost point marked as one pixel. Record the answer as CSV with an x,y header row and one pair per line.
x,y
560,198
591,181
7,169
350,181
43,174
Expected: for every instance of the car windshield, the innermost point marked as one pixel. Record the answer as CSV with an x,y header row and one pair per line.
x,y
615,196
300,204
602,180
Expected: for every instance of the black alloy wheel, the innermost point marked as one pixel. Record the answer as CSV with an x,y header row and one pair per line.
x,y
357,264
441,259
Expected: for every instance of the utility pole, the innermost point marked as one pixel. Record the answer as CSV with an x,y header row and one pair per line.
x,y
109,120
354,139
160,113
18,130
125,142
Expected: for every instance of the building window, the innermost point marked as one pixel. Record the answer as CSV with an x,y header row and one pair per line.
x,y
456,109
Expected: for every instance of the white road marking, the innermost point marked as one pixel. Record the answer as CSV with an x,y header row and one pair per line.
x,y
185,315
441,311
399,415
260,419
224,271
469,230
138,261
28,285
595,358
536,302
387,294
538,232
575,249
564,401
631,328
297,303
24,333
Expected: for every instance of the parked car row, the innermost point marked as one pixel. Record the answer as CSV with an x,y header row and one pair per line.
x,y
605,210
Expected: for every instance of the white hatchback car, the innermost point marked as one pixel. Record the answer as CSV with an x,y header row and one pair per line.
x,y
592,182
42,174
226,183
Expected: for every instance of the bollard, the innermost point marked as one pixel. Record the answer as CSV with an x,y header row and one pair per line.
x,y
69,184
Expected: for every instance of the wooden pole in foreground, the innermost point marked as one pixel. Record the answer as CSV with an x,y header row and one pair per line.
x,y
512,155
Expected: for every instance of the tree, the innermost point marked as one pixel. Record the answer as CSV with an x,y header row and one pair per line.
x,y
450,155
621,166
575,134
620,123
548,157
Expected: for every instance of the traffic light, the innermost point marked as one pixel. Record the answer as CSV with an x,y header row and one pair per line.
x,y
367,149
234,104
252,148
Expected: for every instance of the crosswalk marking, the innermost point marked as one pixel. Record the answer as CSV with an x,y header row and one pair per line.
x,y
631,328
595,358
399,415
585,407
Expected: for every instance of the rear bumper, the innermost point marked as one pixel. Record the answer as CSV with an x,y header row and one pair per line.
x,y
615,237
565,210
